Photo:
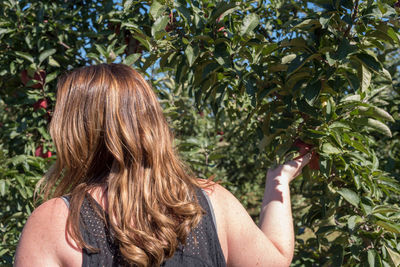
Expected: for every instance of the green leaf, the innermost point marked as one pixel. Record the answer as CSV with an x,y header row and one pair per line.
x,y
344,49
304,107
370,61
191,54
25,56
250,22
352,221
51,76
337,255
378,126
183,10
382,114
394,256
4,31
365,77
338,124
53,62
221,9
375,112
144,42
393,35
157,9
350,196
385,209
394,228
128,4
2,188
299,62
312,92
373,258
288,58
159,25
45,54
307,23
131,59
350,98
328,148
101,50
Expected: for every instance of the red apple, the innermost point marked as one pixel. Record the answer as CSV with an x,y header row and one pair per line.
x,y
24,77
314,162
41,103
40,76
39,152
303,147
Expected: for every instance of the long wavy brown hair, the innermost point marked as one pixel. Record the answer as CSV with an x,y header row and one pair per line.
x,y
110,132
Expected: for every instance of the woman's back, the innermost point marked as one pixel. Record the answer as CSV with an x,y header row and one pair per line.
x,y
202,246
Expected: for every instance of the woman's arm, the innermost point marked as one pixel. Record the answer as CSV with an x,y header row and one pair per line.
x,y
276,214
272,243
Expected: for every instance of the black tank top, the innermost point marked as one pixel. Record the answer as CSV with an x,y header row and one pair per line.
x,y
206,252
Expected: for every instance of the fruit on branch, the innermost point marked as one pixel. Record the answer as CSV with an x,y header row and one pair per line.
x,y
314,162
305,148
171,24
39,76
39,152
41,103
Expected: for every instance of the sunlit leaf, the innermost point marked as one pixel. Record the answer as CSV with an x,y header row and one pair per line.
x,y
350,196
250,22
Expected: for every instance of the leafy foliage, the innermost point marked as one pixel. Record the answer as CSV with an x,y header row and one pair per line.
x,y
245,85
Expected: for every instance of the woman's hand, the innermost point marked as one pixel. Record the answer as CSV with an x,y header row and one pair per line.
x,y
287,172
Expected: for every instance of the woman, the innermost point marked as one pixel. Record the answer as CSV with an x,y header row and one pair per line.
x,y
119,195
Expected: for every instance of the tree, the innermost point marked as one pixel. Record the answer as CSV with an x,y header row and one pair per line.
x,y
245,85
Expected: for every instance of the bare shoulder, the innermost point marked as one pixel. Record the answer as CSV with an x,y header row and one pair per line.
x,y
214,189
43,240
220,196
242,241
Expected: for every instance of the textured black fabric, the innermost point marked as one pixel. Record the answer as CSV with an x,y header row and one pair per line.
x,y
206,252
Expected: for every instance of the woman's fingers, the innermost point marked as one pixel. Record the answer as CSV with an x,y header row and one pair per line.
x,y
290,169
299,163
304,159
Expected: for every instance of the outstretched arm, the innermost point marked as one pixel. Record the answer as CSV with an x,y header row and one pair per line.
x,y
276,215
270,244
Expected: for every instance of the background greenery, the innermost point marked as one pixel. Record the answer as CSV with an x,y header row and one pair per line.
x,y
245,85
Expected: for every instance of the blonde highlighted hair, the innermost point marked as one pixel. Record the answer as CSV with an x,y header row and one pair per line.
x,y
109,131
